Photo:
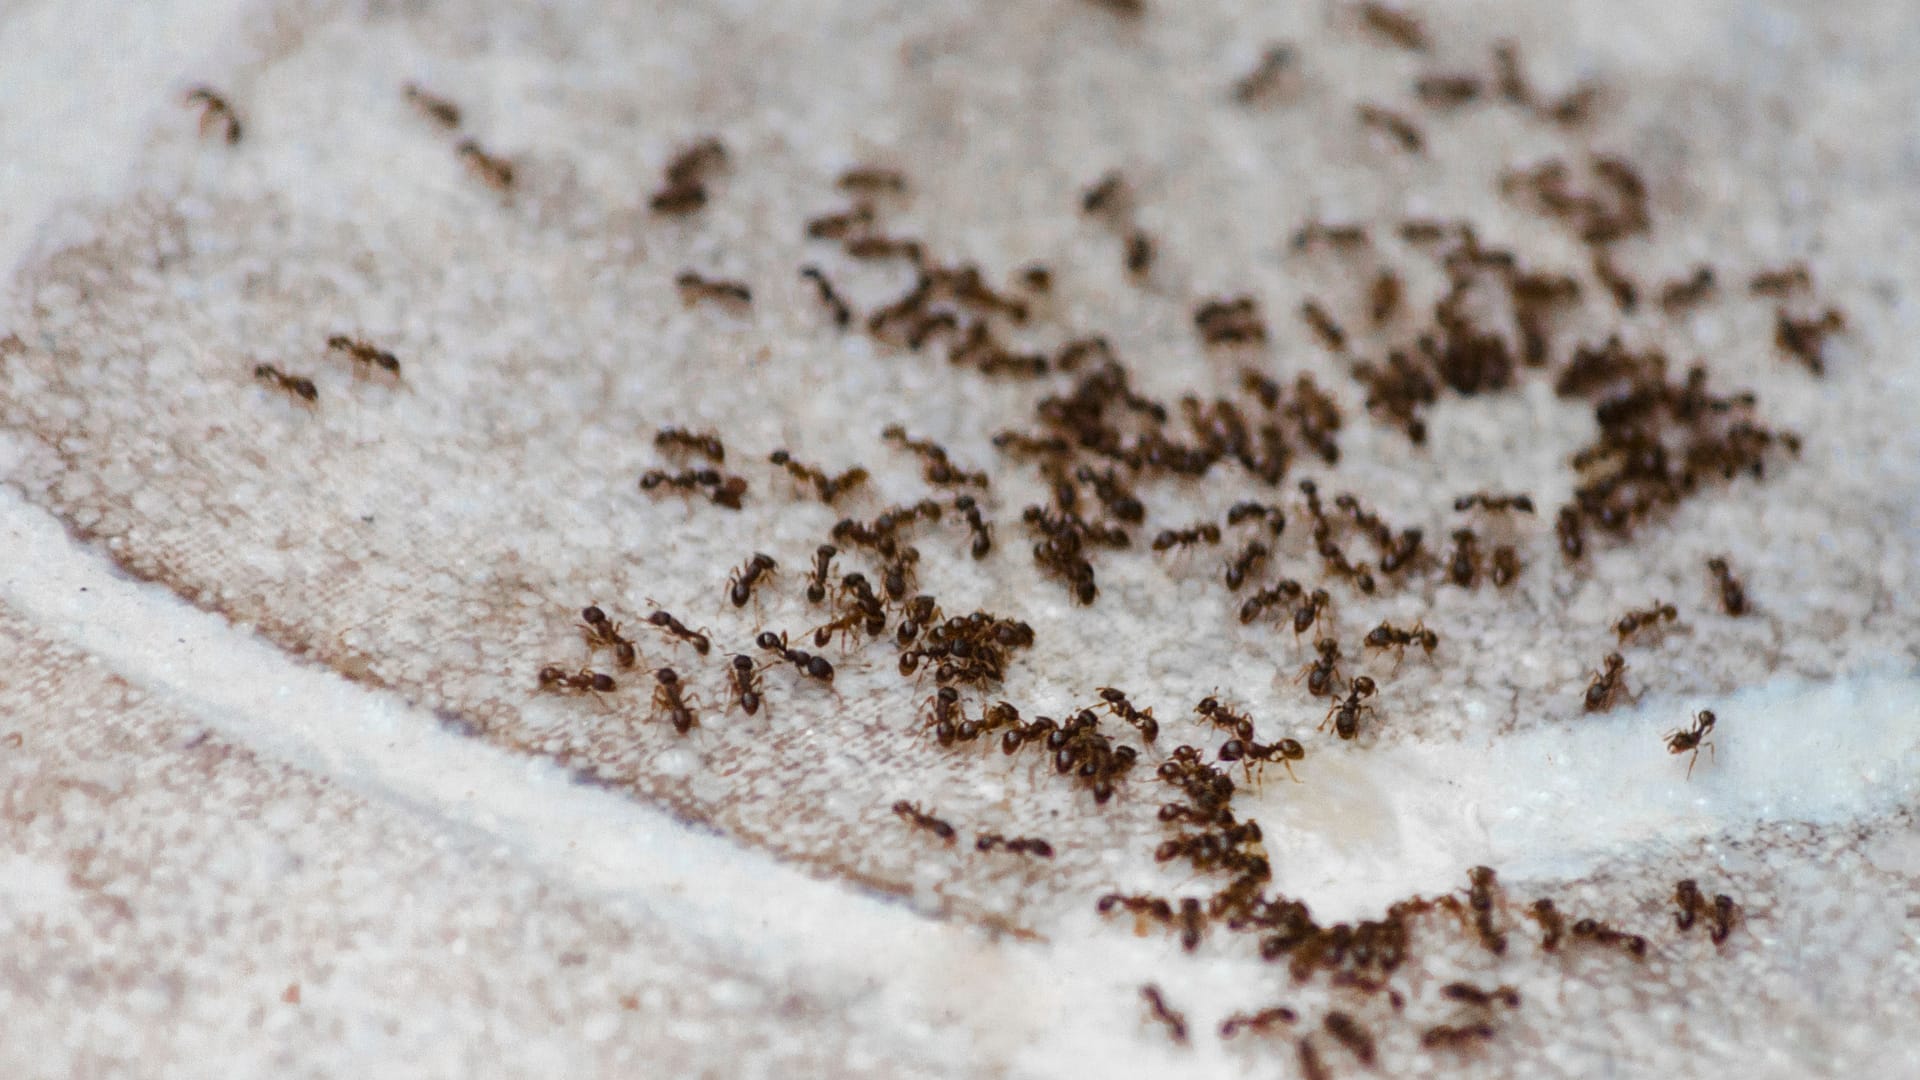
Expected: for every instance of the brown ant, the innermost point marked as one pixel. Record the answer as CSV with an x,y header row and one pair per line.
x,y
814,667
822,566
920,819
1489,501
1480,898
1463,567
1139,253
1571,533
1309,613
1725,914
1250,511
872,179
740,585
1782,281
1506,566
365,353
1142,719
1311,1067
828,488
432,106
1323,326
1346,714
215,108
670,699
1680,741
1153,907
722,490
1272,596
1323,673
298,385
1356,1038
1175,1020
744,683
493,170
1249,752
695,287
1265,77
1394,125
685,190
1679,295
1476,996
1393,26
1733,596
841,225
668,624
1447,91
1389,636
1315,232
1508,74
1691,902
1625,293
1245,563
1222,717
602,632
555,678
1806,339
1601,934
1607,684
1109,196
842,314
1260,1022
1457,1037
1383,297
1019,845
704,443
1634,621
1204,533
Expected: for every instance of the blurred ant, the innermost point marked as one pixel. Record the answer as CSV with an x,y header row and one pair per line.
x,y
493,170
920,819
1245,563
1323,326
1679,295
1474,995
1464,565
1175,1021
1168,539
1346,714
744,683
842,314
1725,914
1634,621
1393,25
432,106
1108,196
667,623
1265,77
603,633
694,287
1607,684
1309,613
1019,845
1259,1022
1571,534
215,108
871,179
705,443
1693,738
740,584
1457,1037
1446,91
1139,253
1489,501
298,385
1356,1038
365,354
1394,125
1733,596
669,698
1780,282
1506,566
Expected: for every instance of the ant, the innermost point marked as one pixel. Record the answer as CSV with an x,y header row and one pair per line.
x,y
1259,1022
1488,501
822,566
1226,719
1447,90
744,683
871,179
1601,934
669,698
298,385
1733,596
666,622
740,585
1249,511
1311,1067
586,680
1139,253
433,106
1019,845
1175,1020
814,667
1679,295
1506,566
1383,297
1394,125
602,632
1108,196
1323,673
685,190
1606,686
695,287
1265,77
364,353
1309,613
1474,995
1393,26
705,443
1352,1035
1480,898
1634,621
1389,636
842,314
1780,282
1346,714
1691,902
1680,741
1142,719
494,171
1725,914
827,487
1246,751
1464,565
1571,533
214,107
920,819
1323,326
1452,1037
841,225
1247,562
1206,532
1806,339
1315,232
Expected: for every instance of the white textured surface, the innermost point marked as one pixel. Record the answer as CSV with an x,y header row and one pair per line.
x,y
498,490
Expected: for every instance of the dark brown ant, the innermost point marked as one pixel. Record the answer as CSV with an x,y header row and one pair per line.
x,y
682,199
878,246
1457,1036
668,624
1487,500
1346,714
1607,684
1463,567
822,566
1733,595
1019,845
493,170
686,174
1687,895
1447,91
1553,925
1252,511
1383,297
1508,75
671,699
1470,994
1625,293
1394,125
705,443
828,488
432,106
1275,61
1309,613
1220,716
1108,197
920,819
721,489
1680,295
1204,533
298,385
1634,621
1422,230
603,633
1393,26
1175,1021
1259,1023
1323,674
743,679
1480,899
1389,636
1267,598
1153,907
841,225
940,469
1350,1033
1574,107
365,353
1230,322
1342,237
1142,719
814,667
1140,250
1725,914
1806,339
944,715
694,288
1571,533
555,678
1311,1067
740,585
872,180
1506,566
842,314
1248,753
1780,282
1246,563
1693,738
1323,326
214,108
1601,934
